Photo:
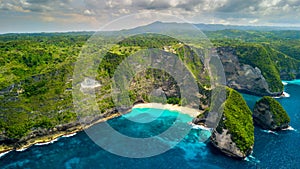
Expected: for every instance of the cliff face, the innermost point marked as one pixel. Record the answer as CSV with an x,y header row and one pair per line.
x,y
223,141
243,77
234,135
289,67
270,115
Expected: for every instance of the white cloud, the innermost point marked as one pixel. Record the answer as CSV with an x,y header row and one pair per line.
x,y
88,12
258,12
253,21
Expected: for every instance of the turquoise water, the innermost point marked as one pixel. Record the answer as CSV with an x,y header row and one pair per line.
x,y
279,150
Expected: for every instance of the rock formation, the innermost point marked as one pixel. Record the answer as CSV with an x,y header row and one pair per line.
x,y
234,134
243,77
270,115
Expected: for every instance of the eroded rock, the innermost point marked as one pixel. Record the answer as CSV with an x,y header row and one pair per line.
x,y
270,115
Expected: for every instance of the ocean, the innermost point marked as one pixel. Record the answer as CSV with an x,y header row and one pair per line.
x,y
271,150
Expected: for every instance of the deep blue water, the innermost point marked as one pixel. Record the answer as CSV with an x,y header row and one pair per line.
x,y
279,150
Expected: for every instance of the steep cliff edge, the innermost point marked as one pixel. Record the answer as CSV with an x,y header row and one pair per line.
x,y
247,72
234,134
270,115
288,66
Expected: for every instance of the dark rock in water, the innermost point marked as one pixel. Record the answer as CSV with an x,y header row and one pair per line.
x,y
270,115
234,135
199,121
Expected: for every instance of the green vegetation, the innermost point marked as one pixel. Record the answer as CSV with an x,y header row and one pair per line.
x,y
237,118
282,47
36,75
173,100
143,82
258,56
148,41
278,113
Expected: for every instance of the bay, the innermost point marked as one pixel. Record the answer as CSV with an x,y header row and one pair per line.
x,y
279,150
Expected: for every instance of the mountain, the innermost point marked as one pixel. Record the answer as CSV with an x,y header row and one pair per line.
x,y
217,27
211,27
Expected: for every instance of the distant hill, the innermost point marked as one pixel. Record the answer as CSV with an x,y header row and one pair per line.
x,y
216,27
209,27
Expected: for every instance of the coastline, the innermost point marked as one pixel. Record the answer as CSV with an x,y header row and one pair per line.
x,y
50,138
294,81
47,139
184,110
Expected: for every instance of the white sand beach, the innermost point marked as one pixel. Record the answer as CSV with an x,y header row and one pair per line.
x,y
185,110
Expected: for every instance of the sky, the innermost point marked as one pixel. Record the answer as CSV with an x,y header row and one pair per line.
x,y
86,15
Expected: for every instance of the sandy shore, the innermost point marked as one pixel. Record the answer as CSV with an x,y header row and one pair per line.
x,y
185,110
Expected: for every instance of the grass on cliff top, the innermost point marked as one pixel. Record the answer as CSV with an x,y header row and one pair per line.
x,y
257,56
279,114
237,118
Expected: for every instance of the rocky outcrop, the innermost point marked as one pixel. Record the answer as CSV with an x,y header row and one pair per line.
x,y
270,115
243,77
42,135
234,135
223,141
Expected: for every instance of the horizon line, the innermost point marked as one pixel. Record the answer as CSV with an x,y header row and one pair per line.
x,y
283,28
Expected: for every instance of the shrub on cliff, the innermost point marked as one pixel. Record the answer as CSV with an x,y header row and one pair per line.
x,y
269,114
237,119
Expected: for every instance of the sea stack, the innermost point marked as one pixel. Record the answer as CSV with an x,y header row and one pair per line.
x,y
234,135
270,115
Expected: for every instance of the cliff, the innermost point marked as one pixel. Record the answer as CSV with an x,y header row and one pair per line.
x,y
270,115
234,134
249,78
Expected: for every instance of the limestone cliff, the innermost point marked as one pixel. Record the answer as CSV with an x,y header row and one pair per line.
x,y
243,77
270,115
234,135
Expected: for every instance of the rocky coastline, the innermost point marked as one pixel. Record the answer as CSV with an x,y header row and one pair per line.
x,y
45,136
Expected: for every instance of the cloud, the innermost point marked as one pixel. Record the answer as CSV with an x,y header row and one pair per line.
x,y
152,5
190,5
100,12
35,5
38,1
47,18
88,12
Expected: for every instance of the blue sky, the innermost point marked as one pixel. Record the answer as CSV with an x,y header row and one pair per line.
x,y
78,15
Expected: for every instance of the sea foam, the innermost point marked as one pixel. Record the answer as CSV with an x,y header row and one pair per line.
x,y
290,128
22,149
69,135
46,143
252,159
269,131
3,154
284,94
194,126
